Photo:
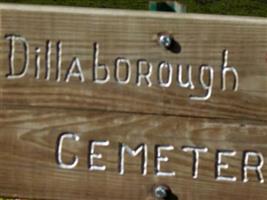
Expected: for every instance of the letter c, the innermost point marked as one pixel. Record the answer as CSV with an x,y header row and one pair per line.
x,y
75,160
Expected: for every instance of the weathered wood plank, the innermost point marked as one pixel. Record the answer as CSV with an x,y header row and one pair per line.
x,y
132,35
28,143
62,96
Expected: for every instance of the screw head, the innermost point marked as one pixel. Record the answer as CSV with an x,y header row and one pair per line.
x,y
160,192
165,40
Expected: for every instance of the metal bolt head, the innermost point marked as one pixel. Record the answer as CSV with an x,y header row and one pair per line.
x,y
165,40
160,192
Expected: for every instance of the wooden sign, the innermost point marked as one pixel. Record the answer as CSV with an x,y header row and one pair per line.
x,y
111,104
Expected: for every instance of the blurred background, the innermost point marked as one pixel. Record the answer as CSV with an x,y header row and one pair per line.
x,y
225,7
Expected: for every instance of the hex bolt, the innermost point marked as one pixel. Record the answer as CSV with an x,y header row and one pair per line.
x,y
161,192
165,40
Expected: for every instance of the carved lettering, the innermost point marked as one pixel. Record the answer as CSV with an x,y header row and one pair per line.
x,y
48,60
12,49
163,83
220,165
226,69
189,83
97,67
75,64
59,147
37,63
206,86
59,60
93,155
118,63
141,148
159,159
252,161
196,151
122,71
141,75
249,167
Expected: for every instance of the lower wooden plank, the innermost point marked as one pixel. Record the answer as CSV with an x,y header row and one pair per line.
x,y
28,167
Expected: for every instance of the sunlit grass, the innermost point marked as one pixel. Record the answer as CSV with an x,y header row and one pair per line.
x,y
225,7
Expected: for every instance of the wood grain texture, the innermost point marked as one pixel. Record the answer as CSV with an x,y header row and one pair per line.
x,y
28,168
33,113
130,34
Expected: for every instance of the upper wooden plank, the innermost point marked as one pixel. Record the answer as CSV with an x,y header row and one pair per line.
x,y
133,35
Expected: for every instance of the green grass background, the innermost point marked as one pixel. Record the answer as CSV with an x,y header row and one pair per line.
x,y
227,7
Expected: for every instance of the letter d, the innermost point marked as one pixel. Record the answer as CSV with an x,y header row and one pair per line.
x,y
12,39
